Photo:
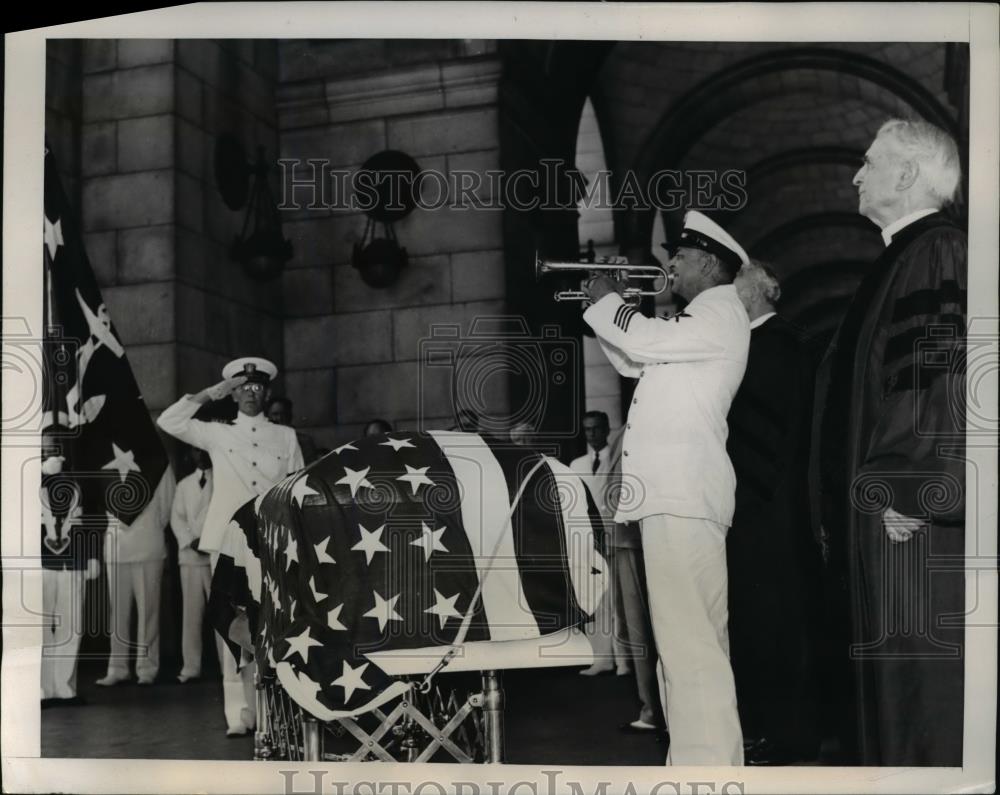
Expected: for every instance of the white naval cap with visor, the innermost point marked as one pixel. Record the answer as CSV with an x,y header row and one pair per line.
x,y
703,233
254,368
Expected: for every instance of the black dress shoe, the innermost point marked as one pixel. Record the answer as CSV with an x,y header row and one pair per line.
x,y
73,701
762,752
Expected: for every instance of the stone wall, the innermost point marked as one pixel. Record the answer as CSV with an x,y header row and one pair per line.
x,y
353,352
155,227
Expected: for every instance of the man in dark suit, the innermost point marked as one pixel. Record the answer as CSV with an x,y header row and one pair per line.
x,y
773,561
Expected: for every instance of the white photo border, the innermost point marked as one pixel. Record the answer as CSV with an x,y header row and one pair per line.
x,y
24,113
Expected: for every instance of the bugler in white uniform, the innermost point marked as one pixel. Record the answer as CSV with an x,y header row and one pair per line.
x,y
678,481
689,368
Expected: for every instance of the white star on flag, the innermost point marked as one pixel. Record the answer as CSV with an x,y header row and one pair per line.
x,y
415,477
430,541
53,236
291,553
291,609
300,645
371,542
351,680
124,462
444,607
301,490
396,444
384,610
318,595
343,447
355,479
322,556
310,688
333,618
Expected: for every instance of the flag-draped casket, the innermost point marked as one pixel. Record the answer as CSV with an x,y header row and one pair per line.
x,y
408,541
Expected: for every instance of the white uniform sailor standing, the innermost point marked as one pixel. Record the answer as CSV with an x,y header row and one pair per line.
x,y
674,448
249,455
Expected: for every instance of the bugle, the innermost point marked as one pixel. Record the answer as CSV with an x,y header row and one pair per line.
x,y
618,268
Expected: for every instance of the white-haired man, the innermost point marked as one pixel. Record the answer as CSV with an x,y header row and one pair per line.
x,y
891,453
674,448
249,455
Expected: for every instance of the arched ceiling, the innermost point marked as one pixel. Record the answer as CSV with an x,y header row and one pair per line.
x,y
796,119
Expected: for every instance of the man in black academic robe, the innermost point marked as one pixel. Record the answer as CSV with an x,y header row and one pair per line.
x,y
773,559
892,458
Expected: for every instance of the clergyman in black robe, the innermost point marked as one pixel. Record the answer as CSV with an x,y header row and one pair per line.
x,y
892,456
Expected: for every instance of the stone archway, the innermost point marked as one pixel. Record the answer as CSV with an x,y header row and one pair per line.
x,y
796,122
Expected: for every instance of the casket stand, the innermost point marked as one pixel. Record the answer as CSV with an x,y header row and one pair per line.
x,y
431,722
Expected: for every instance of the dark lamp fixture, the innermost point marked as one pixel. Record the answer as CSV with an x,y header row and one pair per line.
x,y
260,246
380,260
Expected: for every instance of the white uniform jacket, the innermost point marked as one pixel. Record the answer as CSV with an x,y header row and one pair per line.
x,y
187,516
249,456
689,367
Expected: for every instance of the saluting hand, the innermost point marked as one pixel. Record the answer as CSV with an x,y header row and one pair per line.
x,y
225,388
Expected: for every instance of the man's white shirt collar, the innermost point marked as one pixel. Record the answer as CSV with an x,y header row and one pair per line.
x,y
760,321
251,422
905,221
603,452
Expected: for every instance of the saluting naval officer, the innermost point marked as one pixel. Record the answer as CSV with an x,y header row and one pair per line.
x,y
689,367
249,455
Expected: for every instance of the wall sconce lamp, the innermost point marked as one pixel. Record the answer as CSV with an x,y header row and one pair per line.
x,y
388,179
260,246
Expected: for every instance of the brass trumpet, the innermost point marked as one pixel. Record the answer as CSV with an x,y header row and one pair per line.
x,y
616,267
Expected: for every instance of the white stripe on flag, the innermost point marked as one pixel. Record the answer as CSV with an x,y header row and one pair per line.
x,y
485,504
234,544
581,556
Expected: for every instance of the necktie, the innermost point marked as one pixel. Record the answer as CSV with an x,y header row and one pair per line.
x,y
597,462
201,480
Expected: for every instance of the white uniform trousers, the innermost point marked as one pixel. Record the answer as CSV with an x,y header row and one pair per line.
x,y
688,602
239,694
196,584
62,609
138,582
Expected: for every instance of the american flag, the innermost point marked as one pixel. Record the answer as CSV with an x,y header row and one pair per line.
x,y
90,394
403,542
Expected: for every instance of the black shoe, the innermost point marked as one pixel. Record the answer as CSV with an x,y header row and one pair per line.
x,y
762,752
72,701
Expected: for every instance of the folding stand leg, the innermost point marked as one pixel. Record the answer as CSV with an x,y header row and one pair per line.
x,y
312,743
493,716
262,747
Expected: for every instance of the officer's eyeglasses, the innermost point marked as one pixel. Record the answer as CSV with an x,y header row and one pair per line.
x,y
251,387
